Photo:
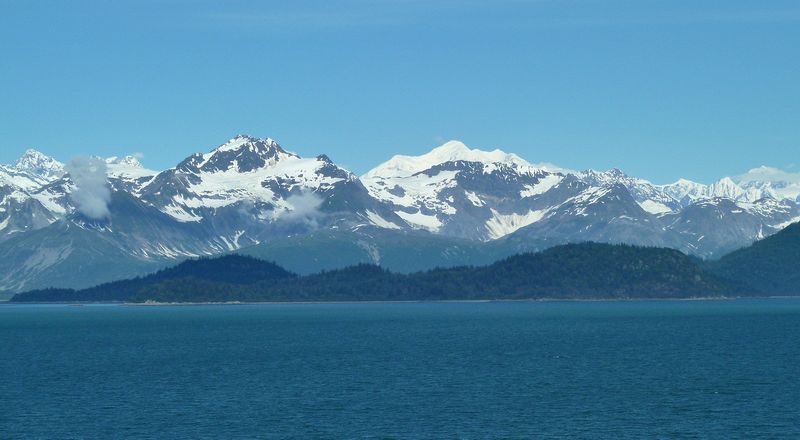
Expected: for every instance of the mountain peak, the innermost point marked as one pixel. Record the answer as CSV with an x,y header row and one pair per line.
x,y
451,148
601,178
613,173
456,150
401,165
726,188
726,181
242,153
130,161
39,164
241,140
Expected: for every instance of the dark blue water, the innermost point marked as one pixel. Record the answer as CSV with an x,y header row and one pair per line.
x,y
616,370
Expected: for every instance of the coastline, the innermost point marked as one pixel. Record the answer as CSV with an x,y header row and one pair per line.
x,y
457,301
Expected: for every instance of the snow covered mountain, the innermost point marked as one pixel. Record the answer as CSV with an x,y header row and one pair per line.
x,y
715,226
254,189
43,168
457,191
651,198
127,173
76,250
771,182
744,189
94,220
239,194
35,191
23,206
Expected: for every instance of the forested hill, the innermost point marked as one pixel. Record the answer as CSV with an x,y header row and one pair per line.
x,y
577,271
225,270
771,265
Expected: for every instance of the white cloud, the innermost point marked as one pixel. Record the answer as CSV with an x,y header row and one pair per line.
x,y
768,174
303,208
92,195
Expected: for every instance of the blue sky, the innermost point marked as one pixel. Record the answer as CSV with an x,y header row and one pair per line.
x,y
661,89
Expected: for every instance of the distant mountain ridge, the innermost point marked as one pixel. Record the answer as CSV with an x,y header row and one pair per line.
x,y
251,194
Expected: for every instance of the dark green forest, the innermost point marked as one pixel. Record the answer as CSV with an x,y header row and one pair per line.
x,y
575,271
771,265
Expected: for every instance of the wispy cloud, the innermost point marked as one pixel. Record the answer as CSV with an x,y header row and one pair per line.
x,y
303,208
769,174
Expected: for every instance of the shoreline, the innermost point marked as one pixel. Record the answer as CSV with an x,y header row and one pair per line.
x,y
456,301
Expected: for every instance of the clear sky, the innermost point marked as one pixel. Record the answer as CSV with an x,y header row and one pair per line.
x,y
662,89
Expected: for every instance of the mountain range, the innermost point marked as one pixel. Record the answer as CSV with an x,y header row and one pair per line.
x,y
95,220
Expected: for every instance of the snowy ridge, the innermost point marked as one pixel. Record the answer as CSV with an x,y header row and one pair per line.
x,y
453,187
651,198
727,187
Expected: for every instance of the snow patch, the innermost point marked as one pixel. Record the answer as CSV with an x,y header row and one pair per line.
x,y
419,190
179,213
501,225
380,222
420,220
544,185
473,198
786,223
654,207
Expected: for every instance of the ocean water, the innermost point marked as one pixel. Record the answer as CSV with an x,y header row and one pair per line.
x,y
593,370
